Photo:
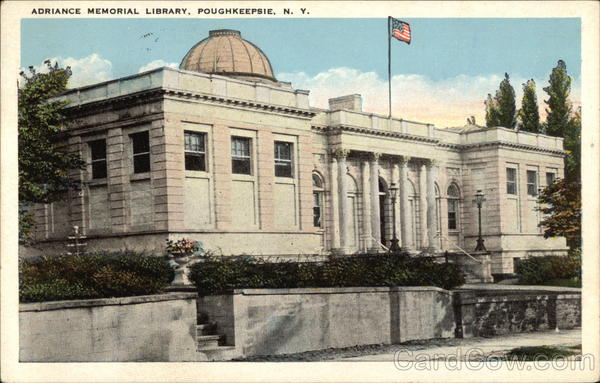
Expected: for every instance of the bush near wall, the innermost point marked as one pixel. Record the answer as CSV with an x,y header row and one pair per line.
x,y
548,270
219,274
93,275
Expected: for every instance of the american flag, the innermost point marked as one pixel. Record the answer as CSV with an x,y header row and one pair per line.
x,y
401,30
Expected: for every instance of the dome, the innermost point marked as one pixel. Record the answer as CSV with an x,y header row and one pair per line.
x,y
224,52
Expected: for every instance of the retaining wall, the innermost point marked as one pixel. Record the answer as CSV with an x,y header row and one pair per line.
x,y
282,321
499,312
143,328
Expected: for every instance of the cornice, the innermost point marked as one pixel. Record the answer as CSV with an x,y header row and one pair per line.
x,y
161,93
179,94
512,145
331,130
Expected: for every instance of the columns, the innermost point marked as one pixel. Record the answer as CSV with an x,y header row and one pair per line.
x,y
423,224
375,220
341,155
431,208
334,210
366,202
406,227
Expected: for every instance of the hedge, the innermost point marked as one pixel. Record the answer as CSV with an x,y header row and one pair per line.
x,y
541,270
219,274
92,275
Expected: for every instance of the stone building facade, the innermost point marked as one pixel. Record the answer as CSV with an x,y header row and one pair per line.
x,y
222,152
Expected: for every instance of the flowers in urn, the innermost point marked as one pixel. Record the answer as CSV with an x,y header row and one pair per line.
x,y
183,253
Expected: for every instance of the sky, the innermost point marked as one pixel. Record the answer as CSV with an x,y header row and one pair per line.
x,y
442,77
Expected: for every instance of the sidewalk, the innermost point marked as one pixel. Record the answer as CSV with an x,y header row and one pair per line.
x,y
474,348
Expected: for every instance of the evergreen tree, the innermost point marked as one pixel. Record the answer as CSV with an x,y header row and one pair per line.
x,y
43,166
491,112
559,107
529,113
505,101
572,147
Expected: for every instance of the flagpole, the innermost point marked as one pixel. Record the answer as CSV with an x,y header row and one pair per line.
x,y
389,66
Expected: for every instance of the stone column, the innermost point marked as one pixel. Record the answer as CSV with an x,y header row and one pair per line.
x,y
422,233
375,221
341,155
431,208
406,227
366,194
334,210
396,206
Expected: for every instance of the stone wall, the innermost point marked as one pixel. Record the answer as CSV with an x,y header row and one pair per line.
x,y
143,328
281,321
492,313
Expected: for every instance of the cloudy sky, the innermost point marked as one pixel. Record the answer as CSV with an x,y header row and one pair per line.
x,y
442,77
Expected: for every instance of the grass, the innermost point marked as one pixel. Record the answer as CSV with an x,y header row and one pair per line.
x,y
567,282
538,353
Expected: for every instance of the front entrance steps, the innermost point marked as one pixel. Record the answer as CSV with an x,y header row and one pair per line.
x,y
210,344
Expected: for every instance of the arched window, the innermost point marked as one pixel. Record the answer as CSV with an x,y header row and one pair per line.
x,y
318,189
453,206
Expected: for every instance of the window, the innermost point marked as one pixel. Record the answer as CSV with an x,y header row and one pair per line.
x,y
195,151
240,155
532,187
550,177
317,200
283,159
98,158
453,211
141,152
511,181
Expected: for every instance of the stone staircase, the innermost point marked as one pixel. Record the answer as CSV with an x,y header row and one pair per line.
x,y
210,345
475,271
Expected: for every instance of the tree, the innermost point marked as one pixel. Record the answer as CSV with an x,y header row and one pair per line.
x,y
561,203
559,107
572,147
501,110
43,165
505,99
491,112
529,113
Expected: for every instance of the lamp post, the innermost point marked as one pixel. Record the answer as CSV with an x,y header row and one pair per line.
x,y
393,191
479,199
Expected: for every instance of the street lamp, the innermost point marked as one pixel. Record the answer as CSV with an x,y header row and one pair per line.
x,y
479,199
393,191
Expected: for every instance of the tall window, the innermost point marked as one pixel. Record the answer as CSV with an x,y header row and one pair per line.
x,y
283,159
532,184
550,177
317,200
195,151
453,208
240,155
511,181
98,158
141,152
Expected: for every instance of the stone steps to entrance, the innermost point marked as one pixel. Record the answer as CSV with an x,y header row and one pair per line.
x,y
207,342
206,329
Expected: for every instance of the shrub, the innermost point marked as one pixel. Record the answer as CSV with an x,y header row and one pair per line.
x,y
219,274
93,275
540,270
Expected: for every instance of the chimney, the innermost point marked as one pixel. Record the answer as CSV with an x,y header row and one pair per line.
x,y
351,102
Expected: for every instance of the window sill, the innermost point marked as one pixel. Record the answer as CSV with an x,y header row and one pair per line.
x,y
97,182
285,180
242,177
139,176
197,174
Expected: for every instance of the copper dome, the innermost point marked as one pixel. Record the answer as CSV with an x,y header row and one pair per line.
x,y
224,52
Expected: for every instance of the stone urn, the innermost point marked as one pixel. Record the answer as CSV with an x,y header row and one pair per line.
x,y
181,264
